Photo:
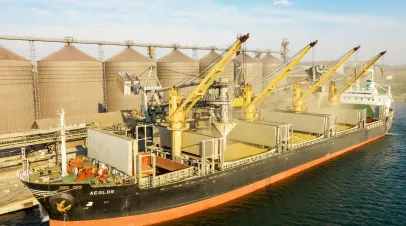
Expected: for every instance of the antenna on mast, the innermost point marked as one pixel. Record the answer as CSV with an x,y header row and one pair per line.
x,y
63,142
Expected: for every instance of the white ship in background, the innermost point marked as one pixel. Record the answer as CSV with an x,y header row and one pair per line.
x,y
373,93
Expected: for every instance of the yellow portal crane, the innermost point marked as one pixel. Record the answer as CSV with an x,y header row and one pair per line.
x,y
178,108
333,94
250,102
299,98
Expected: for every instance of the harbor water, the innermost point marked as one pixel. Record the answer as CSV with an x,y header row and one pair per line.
x,y
363,187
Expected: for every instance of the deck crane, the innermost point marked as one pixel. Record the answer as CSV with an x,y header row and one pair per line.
x,y
178,108
333,94
299,98
250,102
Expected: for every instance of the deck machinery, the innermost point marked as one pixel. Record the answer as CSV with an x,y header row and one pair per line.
x,y
198,154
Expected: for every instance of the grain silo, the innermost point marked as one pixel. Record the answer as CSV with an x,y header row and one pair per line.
x,y
128,60
70,79
207,62
16,92
269,64
251,68
176,68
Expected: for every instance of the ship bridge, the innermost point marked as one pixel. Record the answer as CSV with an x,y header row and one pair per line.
x,y
370,95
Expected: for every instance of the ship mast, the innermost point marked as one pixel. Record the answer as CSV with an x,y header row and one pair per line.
x,y
63,142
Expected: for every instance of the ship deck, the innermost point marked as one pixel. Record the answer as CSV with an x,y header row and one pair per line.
x,y
53,175
236,150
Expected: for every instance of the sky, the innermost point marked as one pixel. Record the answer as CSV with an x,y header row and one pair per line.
x,y
376,25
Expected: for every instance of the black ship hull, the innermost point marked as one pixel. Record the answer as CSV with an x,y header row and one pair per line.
x,y
130,205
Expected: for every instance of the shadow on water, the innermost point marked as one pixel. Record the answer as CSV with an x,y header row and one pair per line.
x,y
25,217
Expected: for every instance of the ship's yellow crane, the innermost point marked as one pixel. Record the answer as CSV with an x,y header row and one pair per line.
x,y
250,101
178,108
334,95
299,98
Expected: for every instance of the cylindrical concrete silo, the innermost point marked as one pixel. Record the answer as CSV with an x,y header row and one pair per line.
x,y
175,68
70,79
16,92
252,70
128,60
269,64
207,62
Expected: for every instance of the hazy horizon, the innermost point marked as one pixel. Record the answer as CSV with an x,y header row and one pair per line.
x,y
338,25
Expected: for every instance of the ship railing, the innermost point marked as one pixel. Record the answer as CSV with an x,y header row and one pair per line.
x,y
210,161
347,131
374,124
167,178
306,143
247,160
145,182
38,138
157,151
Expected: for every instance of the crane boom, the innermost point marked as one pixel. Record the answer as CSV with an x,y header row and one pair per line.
x,y
299,98
250,102
334,95
201,89
177,111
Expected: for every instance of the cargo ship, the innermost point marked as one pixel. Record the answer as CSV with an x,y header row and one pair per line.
x,y
166,165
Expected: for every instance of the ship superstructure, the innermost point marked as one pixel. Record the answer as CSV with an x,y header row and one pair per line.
x,y
372,93
195,153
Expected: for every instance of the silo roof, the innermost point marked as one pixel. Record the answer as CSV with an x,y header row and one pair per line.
x,y
176,56
269,58
6,54
68,53
129,55
211,56
248,58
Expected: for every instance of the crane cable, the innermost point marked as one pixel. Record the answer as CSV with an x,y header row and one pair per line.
x,y
302,69
189,76
332,64
313,55
244,63
353,73
199,74
278,68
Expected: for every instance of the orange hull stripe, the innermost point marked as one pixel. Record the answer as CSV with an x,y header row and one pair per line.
x,y
170,214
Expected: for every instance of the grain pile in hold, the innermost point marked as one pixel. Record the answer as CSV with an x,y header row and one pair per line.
x,y
176,68
70,79
207,62
128,60
16,92
252,70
